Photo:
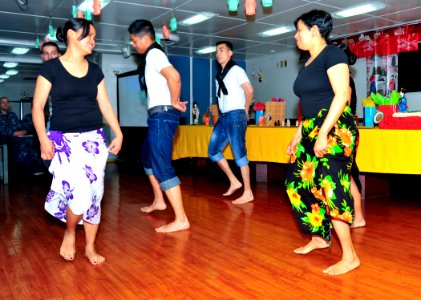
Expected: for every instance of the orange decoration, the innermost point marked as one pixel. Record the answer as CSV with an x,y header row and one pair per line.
x,y
250,7
80,14
165,31
97,7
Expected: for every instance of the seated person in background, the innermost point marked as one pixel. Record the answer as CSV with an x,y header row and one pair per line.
x,y
9,122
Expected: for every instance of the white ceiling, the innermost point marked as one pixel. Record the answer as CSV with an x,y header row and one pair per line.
x,y
19,26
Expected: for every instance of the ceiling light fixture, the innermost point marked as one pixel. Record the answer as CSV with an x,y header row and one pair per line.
x,y
10,65
206,50
201,17
12,72
358,10
4,76
276,31
1,80
20,50
88,5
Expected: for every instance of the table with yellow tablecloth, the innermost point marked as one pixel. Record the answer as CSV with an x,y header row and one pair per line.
x,y
379,151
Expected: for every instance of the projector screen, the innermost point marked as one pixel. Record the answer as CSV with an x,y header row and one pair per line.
x,y
131,101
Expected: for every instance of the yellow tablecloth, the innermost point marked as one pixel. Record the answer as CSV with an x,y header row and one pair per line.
x,y
380,150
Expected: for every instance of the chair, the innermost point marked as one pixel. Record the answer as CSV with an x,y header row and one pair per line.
x,y
4,164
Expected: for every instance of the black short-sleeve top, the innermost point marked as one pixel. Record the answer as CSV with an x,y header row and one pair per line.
x,y
312,84
74,100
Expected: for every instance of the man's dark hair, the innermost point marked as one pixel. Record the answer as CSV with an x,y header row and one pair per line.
x,y
49,44
228,43
141,27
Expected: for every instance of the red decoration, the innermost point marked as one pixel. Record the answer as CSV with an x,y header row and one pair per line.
x,y
165,31
250,7
259,106
97,7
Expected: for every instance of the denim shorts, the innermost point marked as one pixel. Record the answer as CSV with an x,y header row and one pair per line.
x,y
230,128
157,148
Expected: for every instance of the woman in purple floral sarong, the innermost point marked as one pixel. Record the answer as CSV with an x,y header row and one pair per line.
x,y
76,142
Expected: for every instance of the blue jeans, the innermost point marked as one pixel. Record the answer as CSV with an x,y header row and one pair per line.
x,y
157,148
231,127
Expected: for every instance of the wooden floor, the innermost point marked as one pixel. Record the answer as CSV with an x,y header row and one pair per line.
x,y
230,252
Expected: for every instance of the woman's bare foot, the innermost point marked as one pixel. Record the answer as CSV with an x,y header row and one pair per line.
x,y
93,256
343,266
233,187
358,222
246,197
315,243
174,226
68,246
156,205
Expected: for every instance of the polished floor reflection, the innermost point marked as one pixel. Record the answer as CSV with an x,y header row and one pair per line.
x,y
230,252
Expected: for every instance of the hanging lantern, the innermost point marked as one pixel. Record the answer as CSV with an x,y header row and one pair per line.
x,y
51,30
165,31
173,24
88,15
250,7
267,3
74,11
233,5
80,14
97,7
37,42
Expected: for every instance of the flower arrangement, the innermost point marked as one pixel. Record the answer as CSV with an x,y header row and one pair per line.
x,y
259,106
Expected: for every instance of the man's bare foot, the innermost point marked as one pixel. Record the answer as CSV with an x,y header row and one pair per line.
x,y
358,222
174,226
93,256
246,197
68,246
315,243
156,205
233,187
343,266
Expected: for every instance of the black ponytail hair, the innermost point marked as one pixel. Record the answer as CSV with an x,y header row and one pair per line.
x,y
74,24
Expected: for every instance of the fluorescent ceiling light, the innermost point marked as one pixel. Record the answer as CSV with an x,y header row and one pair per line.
x,y
203,16
206,50
358,10
20,51
12,72
10,64
88,5
276,31
4,76
1,80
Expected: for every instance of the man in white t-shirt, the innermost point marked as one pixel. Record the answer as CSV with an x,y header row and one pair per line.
x,y
235,93
162,84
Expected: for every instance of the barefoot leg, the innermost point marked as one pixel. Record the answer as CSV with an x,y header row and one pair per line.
x,y
68,246
248,194
90,252
359,220
235,184
316,242
158,202
180,222
349,259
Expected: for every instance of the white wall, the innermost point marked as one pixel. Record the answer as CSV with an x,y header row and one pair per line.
x,y
278,80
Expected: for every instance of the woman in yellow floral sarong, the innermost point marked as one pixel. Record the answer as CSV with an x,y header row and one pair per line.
x,y
323,148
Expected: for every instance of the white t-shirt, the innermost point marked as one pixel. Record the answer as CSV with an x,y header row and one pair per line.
x,y
236,98
158,90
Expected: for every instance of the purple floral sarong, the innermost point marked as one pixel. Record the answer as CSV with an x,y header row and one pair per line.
x,y
78,168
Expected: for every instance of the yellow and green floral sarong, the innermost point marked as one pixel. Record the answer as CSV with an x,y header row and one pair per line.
x,y
320,188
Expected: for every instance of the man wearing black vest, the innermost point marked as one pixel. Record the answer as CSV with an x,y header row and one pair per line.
x,y
235,93
162,84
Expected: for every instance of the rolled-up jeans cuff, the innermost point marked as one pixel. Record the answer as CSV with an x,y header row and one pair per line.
x,y
170,183
148,171
216,157
242,161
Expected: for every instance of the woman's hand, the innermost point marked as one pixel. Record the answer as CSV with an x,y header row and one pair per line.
x,y
292,147
115,145
320,147
47,149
